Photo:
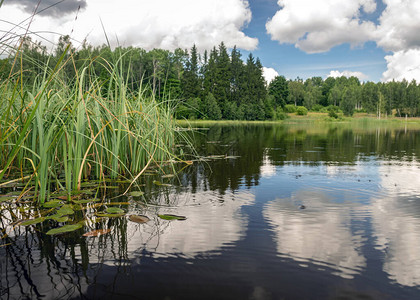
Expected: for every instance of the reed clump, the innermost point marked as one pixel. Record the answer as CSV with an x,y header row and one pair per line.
x,y
58,131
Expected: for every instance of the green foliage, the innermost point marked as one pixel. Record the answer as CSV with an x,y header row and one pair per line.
x,y
348,101
301,111
279,89
333,111
280,114
211,109
65,229
317,108
172,217
84,126
289,108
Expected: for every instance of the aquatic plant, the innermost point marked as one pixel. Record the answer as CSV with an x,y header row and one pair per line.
x,y
60,131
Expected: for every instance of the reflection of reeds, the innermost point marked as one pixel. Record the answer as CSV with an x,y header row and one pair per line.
x,y
79,128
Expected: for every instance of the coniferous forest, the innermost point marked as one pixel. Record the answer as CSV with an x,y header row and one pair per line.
x,y
220,83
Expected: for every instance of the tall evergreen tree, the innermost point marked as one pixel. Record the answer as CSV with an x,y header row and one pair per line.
x,y
190,79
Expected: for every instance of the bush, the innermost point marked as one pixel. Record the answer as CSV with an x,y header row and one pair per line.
x,y
289,108
317,108
301,111
333,111
280,114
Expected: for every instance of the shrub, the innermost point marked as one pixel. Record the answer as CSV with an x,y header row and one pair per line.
x,y
333,111
280,114
317,107
289,108
301,111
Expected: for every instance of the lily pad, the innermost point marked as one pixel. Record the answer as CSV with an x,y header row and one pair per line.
x,y
138,219
65,210
59,218
137,193
114,210
85,201
33,221
109,215
160,183
172,217
52,204
64,229
168,176
97,232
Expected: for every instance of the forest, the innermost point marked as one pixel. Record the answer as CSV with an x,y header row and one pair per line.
x,y
217,84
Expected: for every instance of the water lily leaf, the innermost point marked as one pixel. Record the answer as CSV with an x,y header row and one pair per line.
x,y
114,210
138,218
59,218
33,221
52,204
64,229
137,193
97,232
84,201
160,183
109,215
168,176
65,210
172,217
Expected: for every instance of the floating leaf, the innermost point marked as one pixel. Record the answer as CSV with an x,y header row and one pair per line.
x,y
168,176
138,218
114,210
118,203
65,210
59,218
97,232
64,229
52,204
137,193
172,217
160,183
33,221
84,201
109,215
110,187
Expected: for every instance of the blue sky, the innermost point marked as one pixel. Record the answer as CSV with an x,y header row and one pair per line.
x,y
375,40
291,62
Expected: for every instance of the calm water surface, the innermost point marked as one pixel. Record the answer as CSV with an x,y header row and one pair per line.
x,y
247,235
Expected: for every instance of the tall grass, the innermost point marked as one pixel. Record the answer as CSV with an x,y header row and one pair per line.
x,y
58,132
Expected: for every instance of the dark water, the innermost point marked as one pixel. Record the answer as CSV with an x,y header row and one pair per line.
x,y
247,235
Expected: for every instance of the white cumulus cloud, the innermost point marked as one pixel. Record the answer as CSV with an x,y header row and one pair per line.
x,y
336,73
399,25
148,24
403,65
269,74
317,26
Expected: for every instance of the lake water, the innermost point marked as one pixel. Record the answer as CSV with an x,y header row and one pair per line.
x,y
297,211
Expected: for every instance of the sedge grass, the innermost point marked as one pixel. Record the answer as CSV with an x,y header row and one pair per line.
x,y
79,128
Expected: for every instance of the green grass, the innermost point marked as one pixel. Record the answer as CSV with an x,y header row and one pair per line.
x,y
54,135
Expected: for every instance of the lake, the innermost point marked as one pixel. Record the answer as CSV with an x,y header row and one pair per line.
x,y
273,211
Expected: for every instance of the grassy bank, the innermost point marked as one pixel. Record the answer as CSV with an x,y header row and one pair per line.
x,y
358,121
61,131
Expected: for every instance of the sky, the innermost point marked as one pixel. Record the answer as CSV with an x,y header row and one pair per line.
x,y
374,40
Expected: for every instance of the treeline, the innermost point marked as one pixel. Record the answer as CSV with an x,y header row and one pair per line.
x,y
216,84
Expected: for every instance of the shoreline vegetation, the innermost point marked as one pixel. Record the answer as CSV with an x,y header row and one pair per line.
x,y
100,113
315,117
56,131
